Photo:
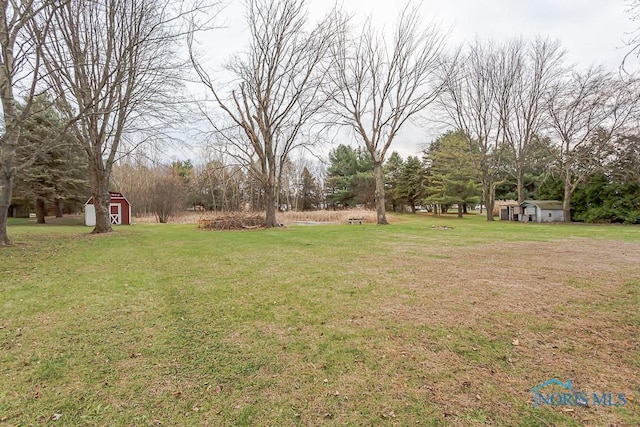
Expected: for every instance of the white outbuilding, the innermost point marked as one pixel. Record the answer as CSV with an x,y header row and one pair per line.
x,y
541,211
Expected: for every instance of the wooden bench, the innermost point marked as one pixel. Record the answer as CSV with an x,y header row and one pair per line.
x,y
356,220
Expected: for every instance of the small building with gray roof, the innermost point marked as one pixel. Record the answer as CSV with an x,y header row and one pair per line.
x,y
541,211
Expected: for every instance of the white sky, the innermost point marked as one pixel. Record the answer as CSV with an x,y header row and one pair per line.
x,y
592,32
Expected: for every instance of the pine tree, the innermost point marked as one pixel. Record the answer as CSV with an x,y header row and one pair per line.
x,y
58,172
451,174
350,178
310,195
411,182
392,169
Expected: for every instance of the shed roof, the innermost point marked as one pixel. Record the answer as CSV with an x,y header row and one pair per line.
x,y
112,195
544,204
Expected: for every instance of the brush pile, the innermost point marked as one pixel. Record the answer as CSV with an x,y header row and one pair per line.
x,y
232,221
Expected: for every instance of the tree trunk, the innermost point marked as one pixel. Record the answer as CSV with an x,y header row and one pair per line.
x,y
488,198
379,194
270,199
41,211
460,210
101,198
520,186
566,203
11,134
6,188
489,205
270,220
59,212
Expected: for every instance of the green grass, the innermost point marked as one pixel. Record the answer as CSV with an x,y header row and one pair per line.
x,y
326,325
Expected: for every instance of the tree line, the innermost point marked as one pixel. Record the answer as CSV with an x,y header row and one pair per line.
x,y
215,184
445,176
113,72
442,177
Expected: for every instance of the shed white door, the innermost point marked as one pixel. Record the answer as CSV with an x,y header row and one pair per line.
x,y
89,215
115,213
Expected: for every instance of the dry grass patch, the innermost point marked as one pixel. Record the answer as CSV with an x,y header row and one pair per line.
x,y
286,218
503,318
335,217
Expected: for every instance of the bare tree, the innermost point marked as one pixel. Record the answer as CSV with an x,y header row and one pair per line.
x,y
525,73
222,182
19,70
167,193
280,80
469,103
633,42
114,68
133,176
588,110
382,85
152,187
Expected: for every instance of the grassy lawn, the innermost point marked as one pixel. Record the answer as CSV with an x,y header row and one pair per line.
x,y
405,324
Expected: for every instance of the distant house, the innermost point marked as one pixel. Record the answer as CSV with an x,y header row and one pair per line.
x,y
541,211
119,210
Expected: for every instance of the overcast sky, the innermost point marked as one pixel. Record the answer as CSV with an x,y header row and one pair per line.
x,y
591,31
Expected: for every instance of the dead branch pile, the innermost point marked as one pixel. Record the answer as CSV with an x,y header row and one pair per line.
x,y
232,221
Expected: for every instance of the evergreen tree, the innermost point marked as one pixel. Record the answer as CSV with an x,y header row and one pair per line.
x,y
310,195
611,194
58,172
411,182
392,170
452,177
603,199
364,187
349,177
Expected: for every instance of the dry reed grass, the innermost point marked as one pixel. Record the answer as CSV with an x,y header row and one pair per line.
x,y
286,218
335,217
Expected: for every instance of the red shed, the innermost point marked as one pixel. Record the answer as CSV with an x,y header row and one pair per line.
x,y
119,210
